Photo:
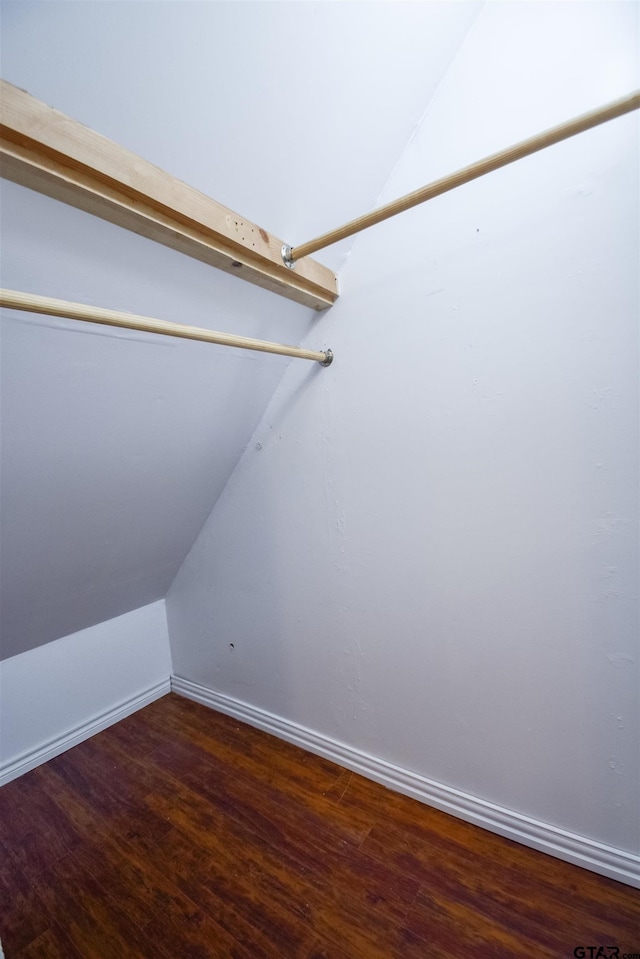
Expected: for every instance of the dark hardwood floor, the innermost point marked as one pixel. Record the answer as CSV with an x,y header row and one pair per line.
x,y
182,833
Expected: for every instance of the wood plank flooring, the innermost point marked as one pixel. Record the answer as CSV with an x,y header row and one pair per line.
x,y
180,833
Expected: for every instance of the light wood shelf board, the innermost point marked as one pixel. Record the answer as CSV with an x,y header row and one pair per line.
x,y
47,151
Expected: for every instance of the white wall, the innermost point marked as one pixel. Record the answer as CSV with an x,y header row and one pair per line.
x,y
59,694
429,551
116,445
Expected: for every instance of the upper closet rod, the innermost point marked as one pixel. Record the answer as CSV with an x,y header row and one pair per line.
x,y
526,147
32,303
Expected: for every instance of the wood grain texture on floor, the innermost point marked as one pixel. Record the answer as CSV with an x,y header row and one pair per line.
x,y
180,833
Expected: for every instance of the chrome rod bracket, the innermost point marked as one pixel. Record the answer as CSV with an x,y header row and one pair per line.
x,y
328,358
287,256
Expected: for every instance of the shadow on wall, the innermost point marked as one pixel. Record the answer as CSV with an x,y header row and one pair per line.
x,y
116,444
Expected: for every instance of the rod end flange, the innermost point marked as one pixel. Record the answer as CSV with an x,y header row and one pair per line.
x,y
328,358
287,256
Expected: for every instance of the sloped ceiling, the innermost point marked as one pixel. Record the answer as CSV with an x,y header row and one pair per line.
x,y
115,445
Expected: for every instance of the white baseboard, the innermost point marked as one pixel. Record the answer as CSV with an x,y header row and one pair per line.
x,y
71,737
598,857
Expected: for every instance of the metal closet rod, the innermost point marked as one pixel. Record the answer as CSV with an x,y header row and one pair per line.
x,y
516,152
31,303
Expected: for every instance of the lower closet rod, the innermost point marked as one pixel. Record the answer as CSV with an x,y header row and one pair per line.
x,y
31,303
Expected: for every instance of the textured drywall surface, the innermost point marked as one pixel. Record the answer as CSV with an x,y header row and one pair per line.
x,y
430,551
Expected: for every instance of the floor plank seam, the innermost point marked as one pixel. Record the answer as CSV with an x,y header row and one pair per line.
x,y
348,783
